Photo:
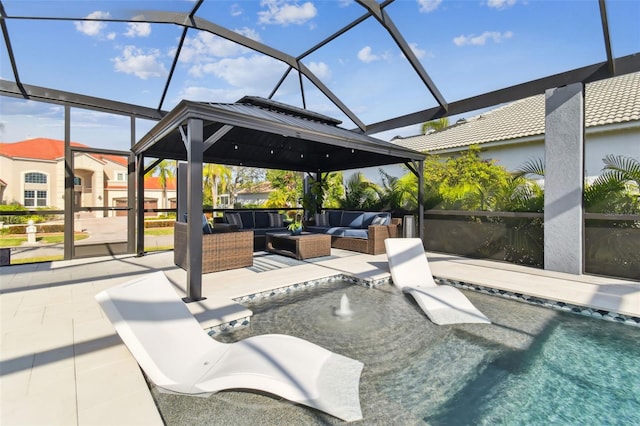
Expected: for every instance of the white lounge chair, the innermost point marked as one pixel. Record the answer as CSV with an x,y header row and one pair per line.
x,y
410,272
179,357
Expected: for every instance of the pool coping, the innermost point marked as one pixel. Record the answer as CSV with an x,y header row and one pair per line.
x,y
611,316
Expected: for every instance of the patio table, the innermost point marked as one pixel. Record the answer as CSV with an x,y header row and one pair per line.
x,y
303,246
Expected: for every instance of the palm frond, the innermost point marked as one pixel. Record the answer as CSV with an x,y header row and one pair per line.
x,y
531,167
622,168
601,191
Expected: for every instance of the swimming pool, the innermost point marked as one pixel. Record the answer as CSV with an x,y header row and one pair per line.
x,y
531,366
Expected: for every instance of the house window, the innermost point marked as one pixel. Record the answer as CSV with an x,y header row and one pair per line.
x,y
121,176
35,198
34,177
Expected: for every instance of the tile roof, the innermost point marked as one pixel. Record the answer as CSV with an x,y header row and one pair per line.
x,y
36,149
614,100
259,188
48,149
153,182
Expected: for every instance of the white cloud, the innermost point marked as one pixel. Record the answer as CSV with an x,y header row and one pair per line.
x,y
417,51
236,10
242,72
500,4
205,94
320,69
205,46
111,36
93,28
366,56
138,29
427,6
282,12
496,36
143,65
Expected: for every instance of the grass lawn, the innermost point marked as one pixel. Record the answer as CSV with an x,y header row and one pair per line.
x,y
36,260
158,231
14,240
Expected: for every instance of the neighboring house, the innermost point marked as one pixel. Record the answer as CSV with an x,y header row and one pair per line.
x,y
256,195
32,174
514,133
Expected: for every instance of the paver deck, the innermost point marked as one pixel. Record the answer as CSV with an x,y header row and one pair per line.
x,y
63,364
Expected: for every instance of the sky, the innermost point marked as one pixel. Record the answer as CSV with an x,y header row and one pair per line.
x,y
466,47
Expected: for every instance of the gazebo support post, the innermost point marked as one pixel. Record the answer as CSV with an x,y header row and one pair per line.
x,y
421,200
139,208
417,168
195,146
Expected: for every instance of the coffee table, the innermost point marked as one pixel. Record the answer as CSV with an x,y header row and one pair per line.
x,y
303,246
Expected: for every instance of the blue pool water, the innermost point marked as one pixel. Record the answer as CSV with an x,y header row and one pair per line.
x,y
531,366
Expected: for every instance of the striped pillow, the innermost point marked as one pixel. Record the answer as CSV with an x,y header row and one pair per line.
x,y
322,219
275,220
234,219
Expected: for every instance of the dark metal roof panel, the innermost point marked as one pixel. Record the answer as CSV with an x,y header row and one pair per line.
x,y
269,138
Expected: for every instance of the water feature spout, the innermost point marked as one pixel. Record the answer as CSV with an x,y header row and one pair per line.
x,y
345,310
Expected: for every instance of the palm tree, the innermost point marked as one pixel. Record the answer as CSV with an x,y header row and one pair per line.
x,y
216,177
435,125
360,193
165,170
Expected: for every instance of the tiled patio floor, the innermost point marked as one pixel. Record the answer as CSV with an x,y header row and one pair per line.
x,y
63,364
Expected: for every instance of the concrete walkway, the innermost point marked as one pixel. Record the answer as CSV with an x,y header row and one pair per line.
x,y
63,364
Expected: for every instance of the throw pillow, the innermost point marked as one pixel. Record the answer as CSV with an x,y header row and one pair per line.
x,y
321,219
275,220
206,227
234,219
379,220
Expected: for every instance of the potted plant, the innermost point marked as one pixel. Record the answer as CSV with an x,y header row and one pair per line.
x,y
296,226
313,199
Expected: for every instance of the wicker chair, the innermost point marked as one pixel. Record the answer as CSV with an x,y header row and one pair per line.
x,y
220,250
372,245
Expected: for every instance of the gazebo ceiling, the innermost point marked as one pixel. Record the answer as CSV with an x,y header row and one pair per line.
x,y
257,132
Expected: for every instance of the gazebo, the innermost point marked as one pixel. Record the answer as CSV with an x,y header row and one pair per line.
x,y
255,132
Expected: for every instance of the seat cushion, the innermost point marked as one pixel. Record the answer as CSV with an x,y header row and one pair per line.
x,y
264,231
247,219
356,233
334,217
337,231
261,219
352,219
317,229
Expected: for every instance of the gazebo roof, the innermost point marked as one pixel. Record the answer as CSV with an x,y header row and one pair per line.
x,y
264,133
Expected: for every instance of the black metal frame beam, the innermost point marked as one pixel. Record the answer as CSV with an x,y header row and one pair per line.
x,y
42,94
607,38
188,21
590,73
385,20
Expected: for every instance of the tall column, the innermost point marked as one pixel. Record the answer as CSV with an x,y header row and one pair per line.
x,y
181,193
564,179
195,149
139,204
69,242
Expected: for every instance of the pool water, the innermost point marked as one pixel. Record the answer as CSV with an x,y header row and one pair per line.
x,y
533,365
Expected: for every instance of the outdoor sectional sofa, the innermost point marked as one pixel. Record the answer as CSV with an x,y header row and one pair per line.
x,y
363,232
258,221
